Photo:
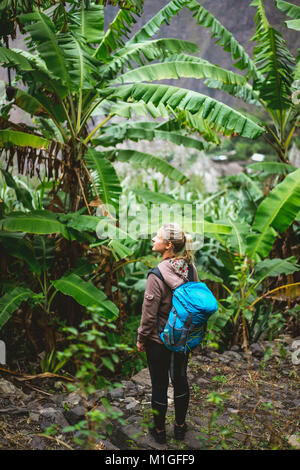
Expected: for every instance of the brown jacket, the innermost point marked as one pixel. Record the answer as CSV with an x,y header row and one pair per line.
x,y
158,300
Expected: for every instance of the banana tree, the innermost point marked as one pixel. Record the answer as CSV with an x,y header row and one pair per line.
x,y
245,256
74,66
271,74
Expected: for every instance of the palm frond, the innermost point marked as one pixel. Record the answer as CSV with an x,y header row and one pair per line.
x,y
141,53
186,100
117,133
224,38
274,61
146,160
105,177
177,69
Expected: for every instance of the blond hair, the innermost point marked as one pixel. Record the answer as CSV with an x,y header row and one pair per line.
x,y
182,242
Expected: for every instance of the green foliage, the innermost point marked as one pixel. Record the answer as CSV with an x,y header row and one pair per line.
x,y
275,213
86,294
93,354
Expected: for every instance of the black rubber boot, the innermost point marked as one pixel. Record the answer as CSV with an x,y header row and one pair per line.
x,y
179,432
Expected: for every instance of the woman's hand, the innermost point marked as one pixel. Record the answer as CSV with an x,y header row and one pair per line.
x,y
140,346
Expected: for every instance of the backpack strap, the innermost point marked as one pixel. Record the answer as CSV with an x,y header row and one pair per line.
x,y
191,273
157,273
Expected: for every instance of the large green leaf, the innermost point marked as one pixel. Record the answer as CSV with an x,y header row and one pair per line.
x,y
224,38
117,133
119,250
187,100
22,139
243,92
42,32
88,22
178,69
276,212
43,75
86,294
38,221
118,29
291,10
274,61
11,301
13,58
272,168
80,63
274,267
141,53
153,25
20,249
104,176
145,160
23,195
38,105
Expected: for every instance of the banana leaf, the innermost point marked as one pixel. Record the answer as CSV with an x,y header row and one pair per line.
x,y
88,22
274,267
290,9
11,58
276,212
105,177
186,100
179,69
11,301
135,131
23,195
38,221
145,160
21,249
274,61
224,38
86,294
145,52
22,139
42,32
272,168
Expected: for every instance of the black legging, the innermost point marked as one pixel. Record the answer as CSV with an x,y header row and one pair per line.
x,y
159,362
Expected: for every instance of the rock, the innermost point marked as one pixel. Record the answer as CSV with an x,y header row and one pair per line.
x,y
233,355
294,441
59,398
34,416
95,397
142,377
74,415
122,435
224,359
52,416
72,400
37,443
116,393
257,350
233,411
7,388
202,381
134,405
107,445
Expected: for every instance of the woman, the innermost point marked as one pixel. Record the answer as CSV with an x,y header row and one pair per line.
x,y
170,242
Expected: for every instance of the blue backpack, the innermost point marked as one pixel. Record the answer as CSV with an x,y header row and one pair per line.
x,y
192,305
